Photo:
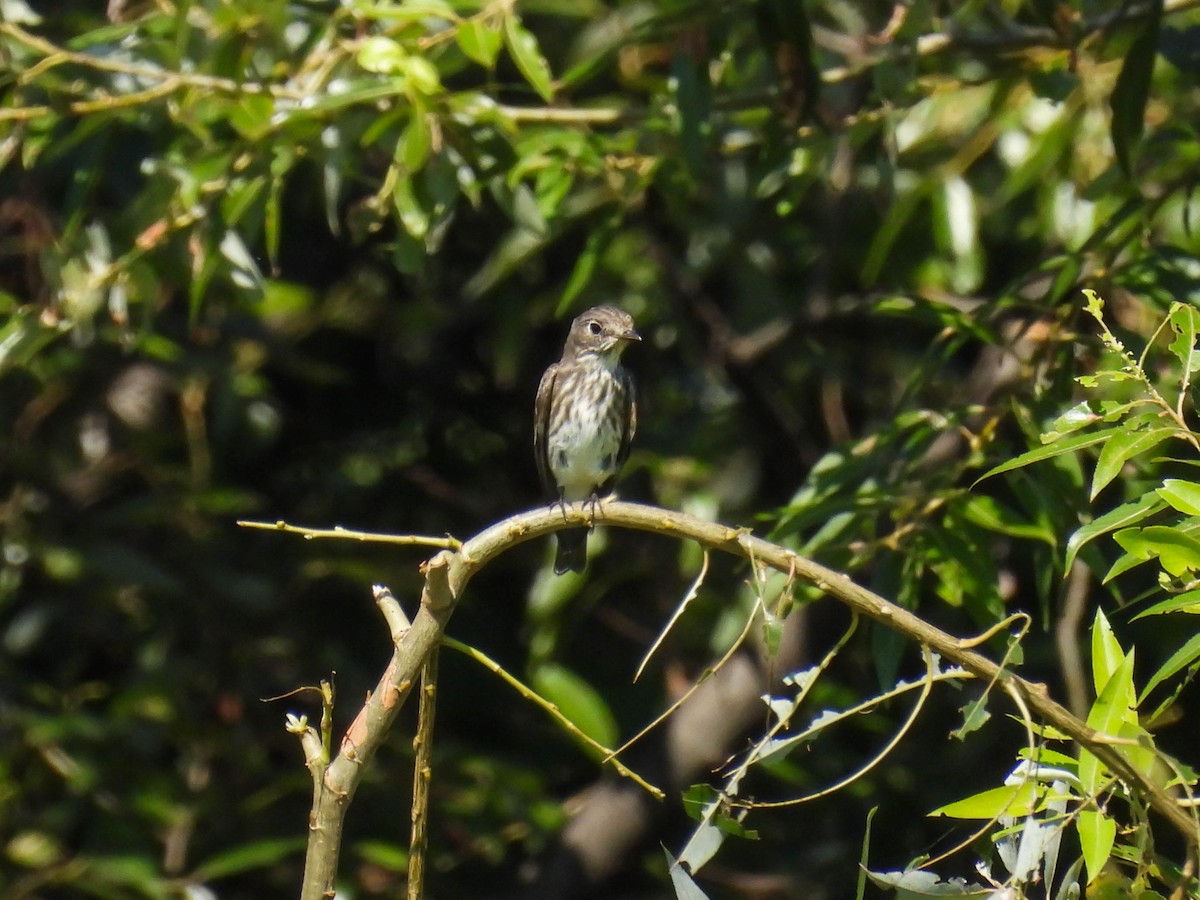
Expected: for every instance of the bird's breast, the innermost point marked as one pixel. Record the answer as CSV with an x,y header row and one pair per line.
x,y
583,441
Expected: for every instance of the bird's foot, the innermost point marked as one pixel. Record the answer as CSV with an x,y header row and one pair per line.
x,y
561,505
591,506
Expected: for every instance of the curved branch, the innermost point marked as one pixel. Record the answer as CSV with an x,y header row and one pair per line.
x,y
526,526
448,573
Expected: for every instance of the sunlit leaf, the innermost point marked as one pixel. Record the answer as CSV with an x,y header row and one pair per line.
x,y
523,48
1097,834
252,115
1107,654
1078,416
1122,447
381,55
245,272
1185,656
922,883
1187,602
1006,800
1057,448
1177,551
1185,322
480,41
415,145
413,214
1123,516
705,805
422,75
1112,710
1182,495
975,716
681,880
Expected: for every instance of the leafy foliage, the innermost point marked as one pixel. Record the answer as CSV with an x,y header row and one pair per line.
x,y
307,260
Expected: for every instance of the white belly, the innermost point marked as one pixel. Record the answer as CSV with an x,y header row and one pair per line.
x,y
582,456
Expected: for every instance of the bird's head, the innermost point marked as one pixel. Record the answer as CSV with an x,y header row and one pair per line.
x,y
602,331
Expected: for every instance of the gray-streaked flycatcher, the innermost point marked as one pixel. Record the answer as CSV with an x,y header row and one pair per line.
x,y
584,419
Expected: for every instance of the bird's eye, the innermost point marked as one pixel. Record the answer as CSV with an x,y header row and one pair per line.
x,y
594,327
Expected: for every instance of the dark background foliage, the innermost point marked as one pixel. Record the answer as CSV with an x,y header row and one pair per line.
x,y
307,261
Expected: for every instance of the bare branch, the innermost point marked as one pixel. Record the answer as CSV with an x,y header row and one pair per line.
x,y
341,533
447,575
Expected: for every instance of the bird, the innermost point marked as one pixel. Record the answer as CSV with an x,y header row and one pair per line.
x,y
584,420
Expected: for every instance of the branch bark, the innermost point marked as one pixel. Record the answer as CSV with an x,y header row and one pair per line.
x,y
448,573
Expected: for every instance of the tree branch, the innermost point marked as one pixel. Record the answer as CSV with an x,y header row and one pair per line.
x,y
448,573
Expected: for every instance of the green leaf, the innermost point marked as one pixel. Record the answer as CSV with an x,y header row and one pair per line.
x,y
577,700
1057,448
1129,95
585,265
1182,495
1007,800
1112,711
249,856
22,337
975,716
412,10
112,873
1187,602
1177,551
1078,416
416,142
1180,659
1107,654
995,516
902,208
1122,447
1185,322
1043,755
1123,564
480,41
422,75
384,854
251,115
381,55
523,48
705,805
413,216
1097,834
1123,516
1069,269
693,99
697,799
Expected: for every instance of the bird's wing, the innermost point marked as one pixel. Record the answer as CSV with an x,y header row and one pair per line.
x,y
541,425
628,417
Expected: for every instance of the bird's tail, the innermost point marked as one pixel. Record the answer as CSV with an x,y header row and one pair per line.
x,y
572,551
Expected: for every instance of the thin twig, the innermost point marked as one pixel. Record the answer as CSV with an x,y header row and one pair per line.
x,y
683,604
704,676
422,773
926,687
347,534
553,711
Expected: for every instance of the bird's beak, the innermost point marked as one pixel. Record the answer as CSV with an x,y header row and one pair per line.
x,y
630,335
